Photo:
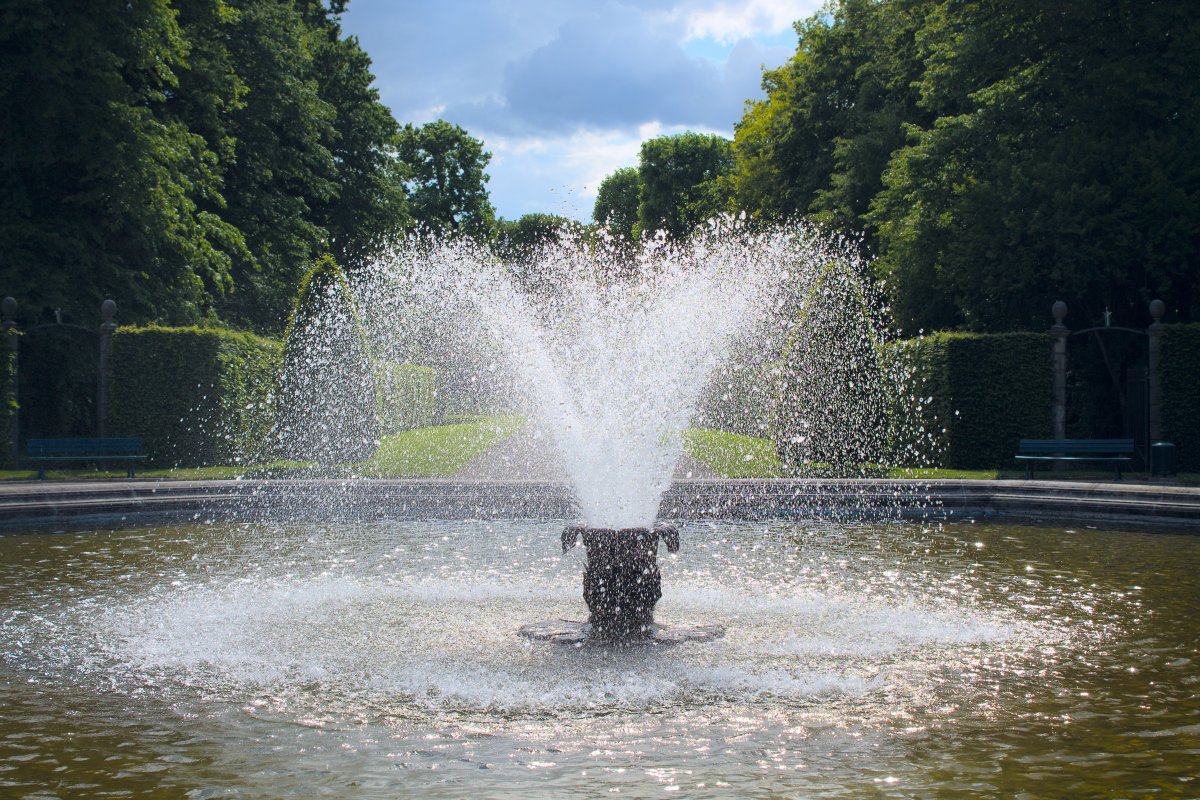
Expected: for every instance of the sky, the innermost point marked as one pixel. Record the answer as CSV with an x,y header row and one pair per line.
x,y
563,92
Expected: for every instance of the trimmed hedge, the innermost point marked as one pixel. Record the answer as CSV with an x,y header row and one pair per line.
x,y
406,396
738,397
1179,368
327,409
198,397
831,402
977,395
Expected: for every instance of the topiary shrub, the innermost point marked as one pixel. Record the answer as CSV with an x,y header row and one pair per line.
x,y
831,403
196,396
1179,373
327,409
406,396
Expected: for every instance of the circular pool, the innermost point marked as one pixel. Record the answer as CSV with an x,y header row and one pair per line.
x,y
380,659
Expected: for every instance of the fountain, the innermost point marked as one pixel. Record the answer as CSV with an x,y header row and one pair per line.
x,y
621,586
365,653
610,354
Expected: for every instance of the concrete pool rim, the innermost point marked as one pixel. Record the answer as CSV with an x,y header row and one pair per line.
x,y
1128,504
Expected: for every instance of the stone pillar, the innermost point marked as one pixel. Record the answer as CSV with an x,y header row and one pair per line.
x,y
1154,385
108,310
10,411
1059,362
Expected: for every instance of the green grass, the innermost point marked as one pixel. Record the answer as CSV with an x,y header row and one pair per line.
x,y
732,455
444,450
181,474
947,474
437,452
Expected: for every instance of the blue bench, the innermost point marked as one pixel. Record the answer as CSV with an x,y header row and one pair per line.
x,y
1114,451
43,451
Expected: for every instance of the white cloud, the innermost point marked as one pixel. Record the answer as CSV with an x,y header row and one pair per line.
x,y
563,93
727,23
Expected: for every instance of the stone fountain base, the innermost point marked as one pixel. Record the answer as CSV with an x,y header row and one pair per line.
x,y
621,585
574,632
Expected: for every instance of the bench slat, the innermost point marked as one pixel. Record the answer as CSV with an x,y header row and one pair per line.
x,y
124,448
1107,450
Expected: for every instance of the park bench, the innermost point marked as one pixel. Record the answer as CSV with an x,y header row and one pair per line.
x,y
43,451
1115,451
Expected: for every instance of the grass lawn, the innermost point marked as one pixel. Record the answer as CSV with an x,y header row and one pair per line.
x,y
732,455
437,452
442,451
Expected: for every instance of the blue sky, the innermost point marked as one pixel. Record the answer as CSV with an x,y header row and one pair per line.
x,y
564,92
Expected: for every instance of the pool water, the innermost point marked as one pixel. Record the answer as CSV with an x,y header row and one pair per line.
x,y
381,660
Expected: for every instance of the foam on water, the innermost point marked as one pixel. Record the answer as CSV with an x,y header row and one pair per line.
x,y
357,640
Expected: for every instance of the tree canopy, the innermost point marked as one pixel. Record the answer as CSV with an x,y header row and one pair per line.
x,y
189,158
996,156
682,182
444,174
617,202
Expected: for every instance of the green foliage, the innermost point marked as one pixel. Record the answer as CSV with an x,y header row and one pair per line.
x,y
522,239
8,399
683,182
617,202
406,396
978,395
104,189
314,167
997,156
819,142
739,397
327,407
196,396
524,243
444,175
1179,368
186,158
831,404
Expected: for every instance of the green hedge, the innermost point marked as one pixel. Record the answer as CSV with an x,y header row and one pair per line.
x,y
406,396
1179,369
197,396
738,397
976,395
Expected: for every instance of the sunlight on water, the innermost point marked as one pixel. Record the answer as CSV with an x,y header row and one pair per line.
x,y
386,653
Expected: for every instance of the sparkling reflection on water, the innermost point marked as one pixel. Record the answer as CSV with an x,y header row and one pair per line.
x,y
380,660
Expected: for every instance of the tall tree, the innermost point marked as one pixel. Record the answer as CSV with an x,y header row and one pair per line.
x,y
369,204
444,172
617,202
683,182
284,165
1061,165
818,144
105,190
188,158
